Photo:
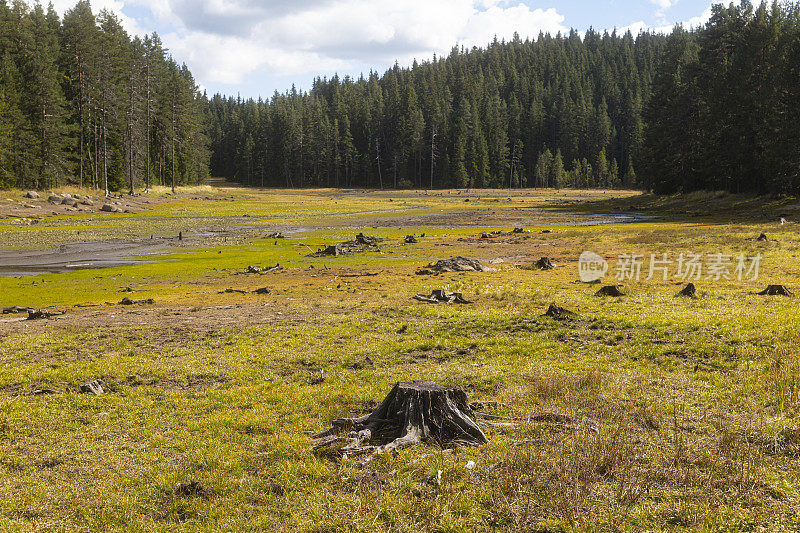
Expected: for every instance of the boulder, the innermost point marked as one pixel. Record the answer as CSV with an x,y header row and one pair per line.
x,y
54,199
32,194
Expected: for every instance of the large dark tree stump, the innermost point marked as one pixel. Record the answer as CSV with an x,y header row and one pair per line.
x,y
413,412
688,291
776,290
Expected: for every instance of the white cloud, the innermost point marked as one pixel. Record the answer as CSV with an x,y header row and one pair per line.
x,y
223,41
694,22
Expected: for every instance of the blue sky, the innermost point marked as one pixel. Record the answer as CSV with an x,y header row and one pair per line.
x,y
255,47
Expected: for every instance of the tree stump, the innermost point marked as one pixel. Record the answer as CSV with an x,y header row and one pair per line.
x,y
413,412
610,290
688,291
544,263
776,290
439,296
410,239
762,238
557,312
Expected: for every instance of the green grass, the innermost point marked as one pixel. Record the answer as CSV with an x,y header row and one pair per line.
x,y
686,411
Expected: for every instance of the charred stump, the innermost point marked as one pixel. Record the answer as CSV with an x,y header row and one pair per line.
x,y
544,264
688,291
762,238
776,290
412,413
410,239
610,290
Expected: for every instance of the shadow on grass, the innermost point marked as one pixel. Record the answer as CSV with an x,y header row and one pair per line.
x,y
706,206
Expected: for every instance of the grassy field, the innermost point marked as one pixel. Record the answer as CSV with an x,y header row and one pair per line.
x,y
685,413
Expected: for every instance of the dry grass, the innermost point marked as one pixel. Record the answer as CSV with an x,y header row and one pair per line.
x,y
646,413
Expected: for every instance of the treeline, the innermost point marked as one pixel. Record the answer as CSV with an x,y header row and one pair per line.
x,y
725,109
82,102
555,111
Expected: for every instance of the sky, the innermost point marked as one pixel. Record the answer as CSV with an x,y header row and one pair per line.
x,y
253,48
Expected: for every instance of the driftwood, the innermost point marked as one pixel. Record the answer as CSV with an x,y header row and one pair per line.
x,y
128,301
455,264
544,263
688,291
16,309
230,291
776,290
266,270
39,314
438,296
413,412
557,312
610,290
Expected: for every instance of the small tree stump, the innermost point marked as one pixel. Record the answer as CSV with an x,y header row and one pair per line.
x,y
410,239
544,264
439,296
776,290
688,291
610,290
556,312
762,238
413,412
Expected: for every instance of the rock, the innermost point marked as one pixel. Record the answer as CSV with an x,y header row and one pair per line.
x,y
776,290
69,201
262,290
410,239
557,312
77,197
29,206
86,201
544,264
54,199
108,208
96,387
546,231
32,194
438,296
518,230
66,195
610,290
688,291
275,235
457,264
